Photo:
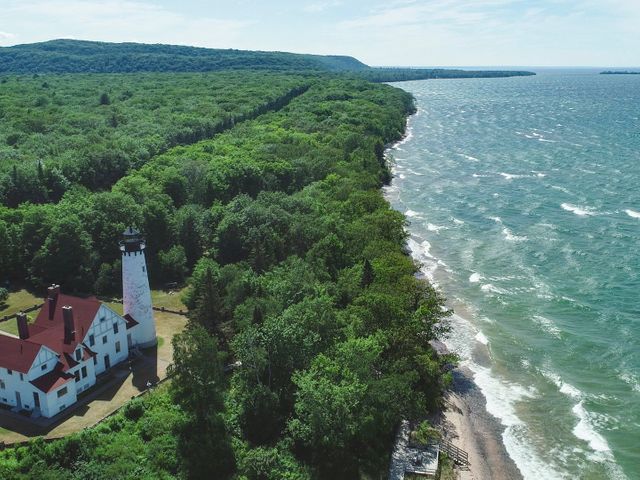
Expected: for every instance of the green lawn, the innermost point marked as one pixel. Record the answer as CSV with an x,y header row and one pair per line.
x,y
159,298
17,302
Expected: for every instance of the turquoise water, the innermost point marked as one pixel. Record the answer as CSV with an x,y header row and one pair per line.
x,y
524,206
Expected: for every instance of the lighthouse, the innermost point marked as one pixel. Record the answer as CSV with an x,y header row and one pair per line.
x,y
136,294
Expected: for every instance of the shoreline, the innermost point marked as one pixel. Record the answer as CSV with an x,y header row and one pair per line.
x,y
464,419
466,422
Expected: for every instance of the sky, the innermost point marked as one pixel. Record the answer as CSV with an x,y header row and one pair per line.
x,y
603,33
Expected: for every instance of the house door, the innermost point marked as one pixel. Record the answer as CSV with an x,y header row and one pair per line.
x,y
36,399
18,400
107,362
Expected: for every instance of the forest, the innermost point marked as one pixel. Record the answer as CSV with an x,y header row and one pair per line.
x,y
77,56
295,263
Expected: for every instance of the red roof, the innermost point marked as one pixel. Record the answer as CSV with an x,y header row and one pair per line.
x,y
131,322
19,355
16,354
51,332
52,380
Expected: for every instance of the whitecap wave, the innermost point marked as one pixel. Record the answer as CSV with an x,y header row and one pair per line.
x,y
469,157
480,337
435,228
564,387
475,277
547,325
632,213
411,213
457,221
586,431
509,236
580,211
562,189
495,219
491,288
512,176
630,379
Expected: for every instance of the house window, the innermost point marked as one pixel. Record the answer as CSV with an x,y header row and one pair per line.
x,y
43,367
104,339
92,340
115,328
95,360
62,392
21,377
117,347
78,354
2,385
84,372
102,319
77,375
10,372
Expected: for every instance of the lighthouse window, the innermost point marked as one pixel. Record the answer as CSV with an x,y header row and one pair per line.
x,y
144,269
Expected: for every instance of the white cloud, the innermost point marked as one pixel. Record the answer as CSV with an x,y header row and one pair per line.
x,y
121,20
321,6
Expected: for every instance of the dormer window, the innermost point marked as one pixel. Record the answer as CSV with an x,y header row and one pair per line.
x,y
43,367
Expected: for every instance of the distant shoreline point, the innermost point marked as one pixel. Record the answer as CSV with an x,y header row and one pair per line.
x,y
620,72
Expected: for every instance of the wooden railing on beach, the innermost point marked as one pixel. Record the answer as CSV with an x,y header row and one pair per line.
x,y
459,456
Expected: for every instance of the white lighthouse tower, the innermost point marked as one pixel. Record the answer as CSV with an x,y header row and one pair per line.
x,y
136,294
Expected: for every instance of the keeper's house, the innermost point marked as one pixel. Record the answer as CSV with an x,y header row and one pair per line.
x,y
73,340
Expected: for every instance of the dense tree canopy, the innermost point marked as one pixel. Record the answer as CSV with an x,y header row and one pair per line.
x,y
298,280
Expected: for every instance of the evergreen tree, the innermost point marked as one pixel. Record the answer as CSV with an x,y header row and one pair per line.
x,y
368,274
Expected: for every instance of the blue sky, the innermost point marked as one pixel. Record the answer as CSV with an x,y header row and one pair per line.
x,y
392,32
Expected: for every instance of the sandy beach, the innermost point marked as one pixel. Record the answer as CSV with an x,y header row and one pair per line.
x,y
468,425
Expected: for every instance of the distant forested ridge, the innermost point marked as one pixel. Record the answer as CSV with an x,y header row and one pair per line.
x,y
405,74
77,56
620,72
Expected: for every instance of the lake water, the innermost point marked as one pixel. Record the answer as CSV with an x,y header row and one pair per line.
x,y
523,197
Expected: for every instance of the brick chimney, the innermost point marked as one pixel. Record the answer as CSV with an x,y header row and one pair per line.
x,y
69,327
23,329
52,298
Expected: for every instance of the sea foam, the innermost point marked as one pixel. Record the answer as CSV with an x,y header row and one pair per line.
x,y
580,211
475,277
632,213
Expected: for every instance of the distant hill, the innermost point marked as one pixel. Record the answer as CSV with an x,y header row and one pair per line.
x,y
79,56
620,72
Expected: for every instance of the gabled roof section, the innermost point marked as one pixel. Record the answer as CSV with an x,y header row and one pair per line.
x,y
52,380
131,322
50,332
16,354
